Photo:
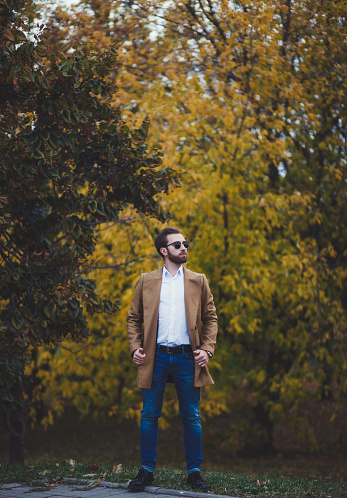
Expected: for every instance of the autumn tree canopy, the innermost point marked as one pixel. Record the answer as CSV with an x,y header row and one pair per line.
x,y
68,163
247,100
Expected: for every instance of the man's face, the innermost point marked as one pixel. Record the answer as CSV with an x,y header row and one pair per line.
x,y
177,256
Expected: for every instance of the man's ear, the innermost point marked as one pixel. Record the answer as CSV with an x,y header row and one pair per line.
x,y
163,251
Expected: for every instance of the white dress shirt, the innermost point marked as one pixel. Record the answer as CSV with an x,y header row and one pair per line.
x,y
172,322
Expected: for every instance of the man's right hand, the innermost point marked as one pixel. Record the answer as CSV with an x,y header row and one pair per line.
x,y
139,356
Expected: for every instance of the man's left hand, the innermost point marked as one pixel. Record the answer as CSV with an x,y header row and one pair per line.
x,y
201,357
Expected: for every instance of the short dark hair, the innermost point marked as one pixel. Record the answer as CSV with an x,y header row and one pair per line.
x,y
161,239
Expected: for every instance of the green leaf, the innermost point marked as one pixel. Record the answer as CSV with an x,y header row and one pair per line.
x,y
73,117
95,298
17,321
100,209
92,206
17,273
7,34
107,307
49,309
19,36
70,225
41,49
77,231
54,141
38,154
66,115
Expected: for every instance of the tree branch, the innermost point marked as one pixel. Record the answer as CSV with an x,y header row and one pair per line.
x,y
212,19
114,267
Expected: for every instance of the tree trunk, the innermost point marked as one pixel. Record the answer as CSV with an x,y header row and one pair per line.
x,y
262,418
16,422
259,440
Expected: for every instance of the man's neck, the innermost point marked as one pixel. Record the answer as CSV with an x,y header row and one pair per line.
x,y
171,267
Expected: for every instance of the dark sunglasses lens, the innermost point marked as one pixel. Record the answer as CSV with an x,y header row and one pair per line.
x,y
177,245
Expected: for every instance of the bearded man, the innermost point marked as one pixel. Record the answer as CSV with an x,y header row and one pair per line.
x,y
167,341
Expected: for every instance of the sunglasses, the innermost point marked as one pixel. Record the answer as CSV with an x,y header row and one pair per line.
x,y
177,245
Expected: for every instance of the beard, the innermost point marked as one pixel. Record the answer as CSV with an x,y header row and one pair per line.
x,y
178,260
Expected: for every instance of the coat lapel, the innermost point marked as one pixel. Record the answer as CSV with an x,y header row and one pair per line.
x,y
192,293
151,296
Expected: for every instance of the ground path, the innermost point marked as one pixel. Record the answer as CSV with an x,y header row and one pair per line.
x,y
104,489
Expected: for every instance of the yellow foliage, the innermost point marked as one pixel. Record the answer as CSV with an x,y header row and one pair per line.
x,y
246,105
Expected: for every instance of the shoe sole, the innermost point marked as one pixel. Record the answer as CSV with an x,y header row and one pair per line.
x,y
204,489
139,488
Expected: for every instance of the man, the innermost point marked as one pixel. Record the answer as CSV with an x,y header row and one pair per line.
x,y
165,339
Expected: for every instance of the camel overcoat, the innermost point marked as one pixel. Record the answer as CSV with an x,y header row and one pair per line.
x,y
143,321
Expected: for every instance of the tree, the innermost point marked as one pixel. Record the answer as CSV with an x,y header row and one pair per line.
x,y
68,162
248,100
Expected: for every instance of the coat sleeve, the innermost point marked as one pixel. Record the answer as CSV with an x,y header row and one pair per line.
x,y
135,318
208,317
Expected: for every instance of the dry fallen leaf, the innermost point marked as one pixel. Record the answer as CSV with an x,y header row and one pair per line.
x,y
118,469
94,484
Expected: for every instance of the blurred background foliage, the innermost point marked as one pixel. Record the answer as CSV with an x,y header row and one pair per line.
x,y
68,163
247,100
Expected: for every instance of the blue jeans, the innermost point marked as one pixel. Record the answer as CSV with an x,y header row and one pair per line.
x,y
181,366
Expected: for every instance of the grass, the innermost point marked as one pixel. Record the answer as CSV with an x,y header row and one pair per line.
x,y
112,450
112,442
43,475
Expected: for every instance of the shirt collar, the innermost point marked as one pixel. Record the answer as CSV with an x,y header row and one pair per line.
x,y
179,272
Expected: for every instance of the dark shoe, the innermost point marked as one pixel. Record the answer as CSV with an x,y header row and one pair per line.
x,y
196,481
143,479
